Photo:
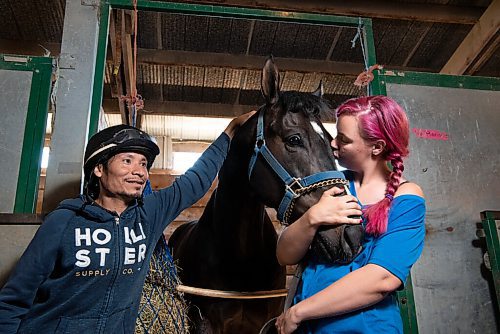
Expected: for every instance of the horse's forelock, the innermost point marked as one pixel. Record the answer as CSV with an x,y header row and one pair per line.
x,y
305,102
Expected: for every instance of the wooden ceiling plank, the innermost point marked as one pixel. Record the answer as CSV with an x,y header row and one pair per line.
x,y
385,9
207,59
127,56
159,34
184,108
29,48
334,43
116,50
417,45
474,43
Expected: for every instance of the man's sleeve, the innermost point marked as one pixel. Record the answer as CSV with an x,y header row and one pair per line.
x,y
188,188
34,266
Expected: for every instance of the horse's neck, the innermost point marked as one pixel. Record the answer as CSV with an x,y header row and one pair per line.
x,y
234,207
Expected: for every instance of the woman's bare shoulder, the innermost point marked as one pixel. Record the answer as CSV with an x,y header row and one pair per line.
x,y
409,188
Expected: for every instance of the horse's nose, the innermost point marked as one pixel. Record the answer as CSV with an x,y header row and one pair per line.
x,y
353,235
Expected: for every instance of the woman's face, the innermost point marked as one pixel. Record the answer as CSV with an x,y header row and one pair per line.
x,y
349,147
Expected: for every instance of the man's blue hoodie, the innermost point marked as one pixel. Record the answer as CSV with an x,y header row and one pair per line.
x,y
84,270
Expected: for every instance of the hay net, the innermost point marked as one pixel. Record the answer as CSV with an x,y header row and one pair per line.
x,y
162,308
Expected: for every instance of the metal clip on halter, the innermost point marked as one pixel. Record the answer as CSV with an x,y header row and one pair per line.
x,y
295,183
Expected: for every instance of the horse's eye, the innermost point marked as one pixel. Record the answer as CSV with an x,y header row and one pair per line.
x,y
294,140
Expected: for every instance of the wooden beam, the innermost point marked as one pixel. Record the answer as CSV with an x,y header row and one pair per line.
x,y
383,9
29,48
417,45
207,59
485,55
116,54
183,108
210,59
163,57
334,43
127,56
474,43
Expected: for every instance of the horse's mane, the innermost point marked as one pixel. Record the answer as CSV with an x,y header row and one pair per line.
x,y
306,102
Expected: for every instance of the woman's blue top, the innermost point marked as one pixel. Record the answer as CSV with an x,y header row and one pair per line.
x,y
396,250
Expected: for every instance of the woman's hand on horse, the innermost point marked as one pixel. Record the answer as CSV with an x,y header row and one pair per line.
x,y
237,122
332,209
287,322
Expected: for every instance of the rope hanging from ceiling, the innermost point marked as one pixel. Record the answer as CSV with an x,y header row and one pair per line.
x,y
365,77
134,101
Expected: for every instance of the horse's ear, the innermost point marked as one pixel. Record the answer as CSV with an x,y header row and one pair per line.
x,y
320,90
270,82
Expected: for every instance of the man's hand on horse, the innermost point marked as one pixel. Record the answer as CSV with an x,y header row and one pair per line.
x,y
237,122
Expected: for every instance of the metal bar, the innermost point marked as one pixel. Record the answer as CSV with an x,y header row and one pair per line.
x,y
99,68
385,9
34,133
441,80
237,12
369,46
38,134
406,303
232,294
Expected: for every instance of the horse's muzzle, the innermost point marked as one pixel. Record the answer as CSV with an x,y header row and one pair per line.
x,y
337,244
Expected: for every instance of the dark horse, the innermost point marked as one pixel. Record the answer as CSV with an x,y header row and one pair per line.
x,y
233,245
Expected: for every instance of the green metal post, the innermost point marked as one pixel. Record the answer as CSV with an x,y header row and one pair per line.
x,y
100,67
34,131
237,12
491,225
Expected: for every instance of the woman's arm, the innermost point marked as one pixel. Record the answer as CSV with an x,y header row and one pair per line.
x,y
389,264
294,241
361,288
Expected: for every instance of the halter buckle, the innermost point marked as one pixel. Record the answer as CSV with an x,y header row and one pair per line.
x,y
295,184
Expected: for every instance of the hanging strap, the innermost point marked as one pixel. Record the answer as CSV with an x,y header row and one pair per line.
x,y
294,284
270,325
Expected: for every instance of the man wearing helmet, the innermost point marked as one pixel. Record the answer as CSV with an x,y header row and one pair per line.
x,y
84,270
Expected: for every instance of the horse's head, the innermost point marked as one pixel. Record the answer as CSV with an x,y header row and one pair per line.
x,y
292,163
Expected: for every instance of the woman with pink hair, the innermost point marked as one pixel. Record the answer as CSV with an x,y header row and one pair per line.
x,y
359,297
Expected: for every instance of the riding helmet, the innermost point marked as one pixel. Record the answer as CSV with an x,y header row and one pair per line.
x,y
111,141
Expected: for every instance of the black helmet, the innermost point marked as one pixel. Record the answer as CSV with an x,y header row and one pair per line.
x,y
111,141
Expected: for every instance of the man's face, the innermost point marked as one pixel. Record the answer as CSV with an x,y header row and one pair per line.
x,y
125,176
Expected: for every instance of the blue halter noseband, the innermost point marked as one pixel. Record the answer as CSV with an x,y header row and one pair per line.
x,y
294,186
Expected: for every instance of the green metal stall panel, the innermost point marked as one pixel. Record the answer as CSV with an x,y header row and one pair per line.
x,y
455,158
25,84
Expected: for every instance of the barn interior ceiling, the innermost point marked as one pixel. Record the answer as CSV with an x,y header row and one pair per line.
x,y
190,65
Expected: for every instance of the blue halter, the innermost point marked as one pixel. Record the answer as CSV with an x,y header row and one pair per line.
x,y
294,186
